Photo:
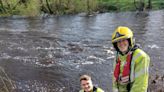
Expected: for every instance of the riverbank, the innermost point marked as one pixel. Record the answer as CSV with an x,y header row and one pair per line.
x,y
48,54
62,7
156,83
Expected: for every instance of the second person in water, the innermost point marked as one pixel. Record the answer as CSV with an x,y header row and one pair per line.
x,y
87,85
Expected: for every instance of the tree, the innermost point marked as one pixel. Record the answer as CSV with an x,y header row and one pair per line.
x,y
139,5
149,4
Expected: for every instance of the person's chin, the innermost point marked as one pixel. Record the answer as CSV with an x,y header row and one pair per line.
x,y
87,90
122,51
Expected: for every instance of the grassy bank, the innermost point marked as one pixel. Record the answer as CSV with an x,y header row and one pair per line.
x,y
60,7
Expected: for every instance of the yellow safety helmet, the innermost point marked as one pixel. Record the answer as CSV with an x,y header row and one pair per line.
x,y
120,33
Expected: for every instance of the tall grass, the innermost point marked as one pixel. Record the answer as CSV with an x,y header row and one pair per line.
x,y
30,8
18,7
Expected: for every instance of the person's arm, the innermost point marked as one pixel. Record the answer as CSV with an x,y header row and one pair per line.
x,y
141,70
114,86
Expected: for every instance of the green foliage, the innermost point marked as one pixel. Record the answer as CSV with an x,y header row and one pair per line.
x,y
31,8
158,4
106,7
60,7
16,7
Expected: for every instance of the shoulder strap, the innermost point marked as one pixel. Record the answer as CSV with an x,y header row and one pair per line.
x,y
117,57
94,89
129,85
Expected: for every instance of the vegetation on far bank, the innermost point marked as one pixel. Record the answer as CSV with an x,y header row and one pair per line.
x,y
60,7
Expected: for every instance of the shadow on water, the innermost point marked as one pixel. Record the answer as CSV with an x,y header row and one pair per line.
x,y
49,54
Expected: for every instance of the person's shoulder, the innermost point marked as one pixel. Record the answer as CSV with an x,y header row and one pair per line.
x,y
99,90
140,52
81,91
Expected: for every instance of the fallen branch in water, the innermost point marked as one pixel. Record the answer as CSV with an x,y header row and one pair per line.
x,y
7,83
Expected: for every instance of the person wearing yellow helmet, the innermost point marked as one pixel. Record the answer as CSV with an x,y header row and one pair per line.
x,y
131,64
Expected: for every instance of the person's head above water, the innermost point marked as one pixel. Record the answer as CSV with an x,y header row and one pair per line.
x,y
86,83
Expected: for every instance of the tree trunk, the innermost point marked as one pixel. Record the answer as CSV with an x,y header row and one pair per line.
x,y
8,5
149,4
68,3
88,7
140,5
49,8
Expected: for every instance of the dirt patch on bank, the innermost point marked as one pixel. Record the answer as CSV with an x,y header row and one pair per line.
x,y
156,83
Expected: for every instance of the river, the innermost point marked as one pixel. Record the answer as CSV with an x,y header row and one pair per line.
x,y
48,54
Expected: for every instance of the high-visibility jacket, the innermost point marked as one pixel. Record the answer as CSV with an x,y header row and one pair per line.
x,y
139,72
96,89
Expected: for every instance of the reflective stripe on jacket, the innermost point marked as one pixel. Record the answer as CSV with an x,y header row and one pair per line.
x,y
139,73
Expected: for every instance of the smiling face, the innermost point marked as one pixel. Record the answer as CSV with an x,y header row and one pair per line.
x,y
87,85
123,45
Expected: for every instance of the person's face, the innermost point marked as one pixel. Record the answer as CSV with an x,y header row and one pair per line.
x,y
123,45
87,85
